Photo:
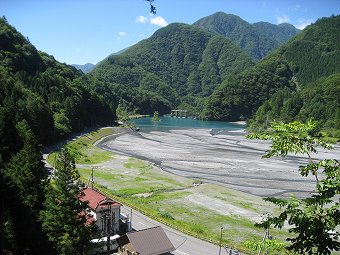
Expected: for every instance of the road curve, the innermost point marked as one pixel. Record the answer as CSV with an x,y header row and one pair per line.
x,y
184,244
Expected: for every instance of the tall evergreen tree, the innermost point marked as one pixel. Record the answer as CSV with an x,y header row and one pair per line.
x,y
63,219
21,187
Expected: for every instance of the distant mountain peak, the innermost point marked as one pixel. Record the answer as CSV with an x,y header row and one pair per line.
x,y
86,68
256,39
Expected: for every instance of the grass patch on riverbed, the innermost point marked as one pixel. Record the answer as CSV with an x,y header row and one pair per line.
x,y
193,207
83,148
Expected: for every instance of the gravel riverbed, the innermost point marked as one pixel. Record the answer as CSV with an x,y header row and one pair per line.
x,y
226,158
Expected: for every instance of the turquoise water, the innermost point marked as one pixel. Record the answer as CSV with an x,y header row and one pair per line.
x,y
167,123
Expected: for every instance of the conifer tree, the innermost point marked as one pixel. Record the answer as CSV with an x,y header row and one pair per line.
x,y
64,219
21,184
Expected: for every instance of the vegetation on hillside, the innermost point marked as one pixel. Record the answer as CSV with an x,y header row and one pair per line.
x,y
239,98
63,218
179,65
53,98
257,40
300,80
41,100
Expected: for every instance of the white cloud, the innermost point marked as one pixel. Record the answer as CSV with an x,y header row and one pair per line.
x,y
141,19
158,21
121,34
282,19
303,23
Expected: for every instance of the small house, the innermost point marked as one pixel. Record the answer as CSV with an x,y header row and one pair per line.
x,y
104,211
150,241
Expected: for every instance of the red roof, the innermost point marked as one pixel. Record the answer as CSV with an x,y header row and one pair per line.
x,y
96,199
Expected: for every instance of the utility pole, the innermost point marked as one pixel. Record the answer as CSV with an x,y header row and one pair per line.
x,y
219,253
108,217
91,179
131,221
106,226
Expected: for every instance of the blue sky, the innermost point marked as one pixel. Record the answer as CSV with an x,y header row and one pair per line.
x,y
82,31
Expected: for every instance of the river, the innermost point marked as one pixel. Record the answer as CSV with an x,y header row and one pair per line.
x,y
216,152
167,123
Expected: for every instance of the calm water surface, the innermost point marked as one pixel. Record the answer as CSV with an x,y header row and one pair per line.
x,y
167,123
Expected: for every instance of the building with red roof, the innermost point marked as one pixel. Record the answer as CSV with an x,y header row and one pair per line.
x,y
104,210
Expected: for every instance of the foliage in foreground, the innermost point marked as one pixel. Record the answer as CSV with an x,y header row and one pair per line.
x,y
270,246
314,219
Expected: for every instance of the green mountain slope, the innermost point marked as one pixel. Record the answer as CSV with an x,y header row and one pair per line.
x,y
299,76
180,62
280,33
53,98
41,100
257,39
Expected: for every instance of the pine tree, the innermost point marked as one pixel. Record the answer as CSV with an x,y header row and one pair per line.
x,y
64,218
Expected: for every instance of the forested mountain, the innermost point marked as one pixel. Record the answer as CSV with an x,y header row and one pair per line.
x,y
181,63
53,98
86,68
300,80
256,39
41,100
280,33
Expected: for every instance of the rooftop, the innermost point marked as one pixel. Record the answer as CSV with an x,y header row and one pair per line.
x,y
150,241
96,199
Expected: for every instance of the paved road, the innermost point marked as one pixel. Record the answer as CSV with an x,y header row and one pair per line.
x,y
184,244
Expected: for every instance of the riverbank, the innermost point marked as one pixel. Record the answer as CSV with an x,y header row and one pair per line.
x,y
189,205
227,159
240,122
194,205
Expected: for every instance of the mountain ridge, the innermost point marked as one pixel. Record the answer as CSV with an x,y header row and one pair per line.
x,y
85,68
182,59
280,87
251,38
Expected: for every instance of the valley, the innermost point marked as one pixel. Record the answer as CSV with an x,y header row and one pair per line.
x,y
189,204
208,182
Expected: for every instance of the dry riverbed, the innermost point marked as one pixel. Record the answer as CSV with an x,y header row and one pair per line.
x,y
228,159
173,176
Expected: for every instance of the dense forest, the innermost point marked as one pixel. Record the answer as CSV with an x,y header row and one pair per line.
x,y
300,80
182,66
257,40
41,101
180,63
202,68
